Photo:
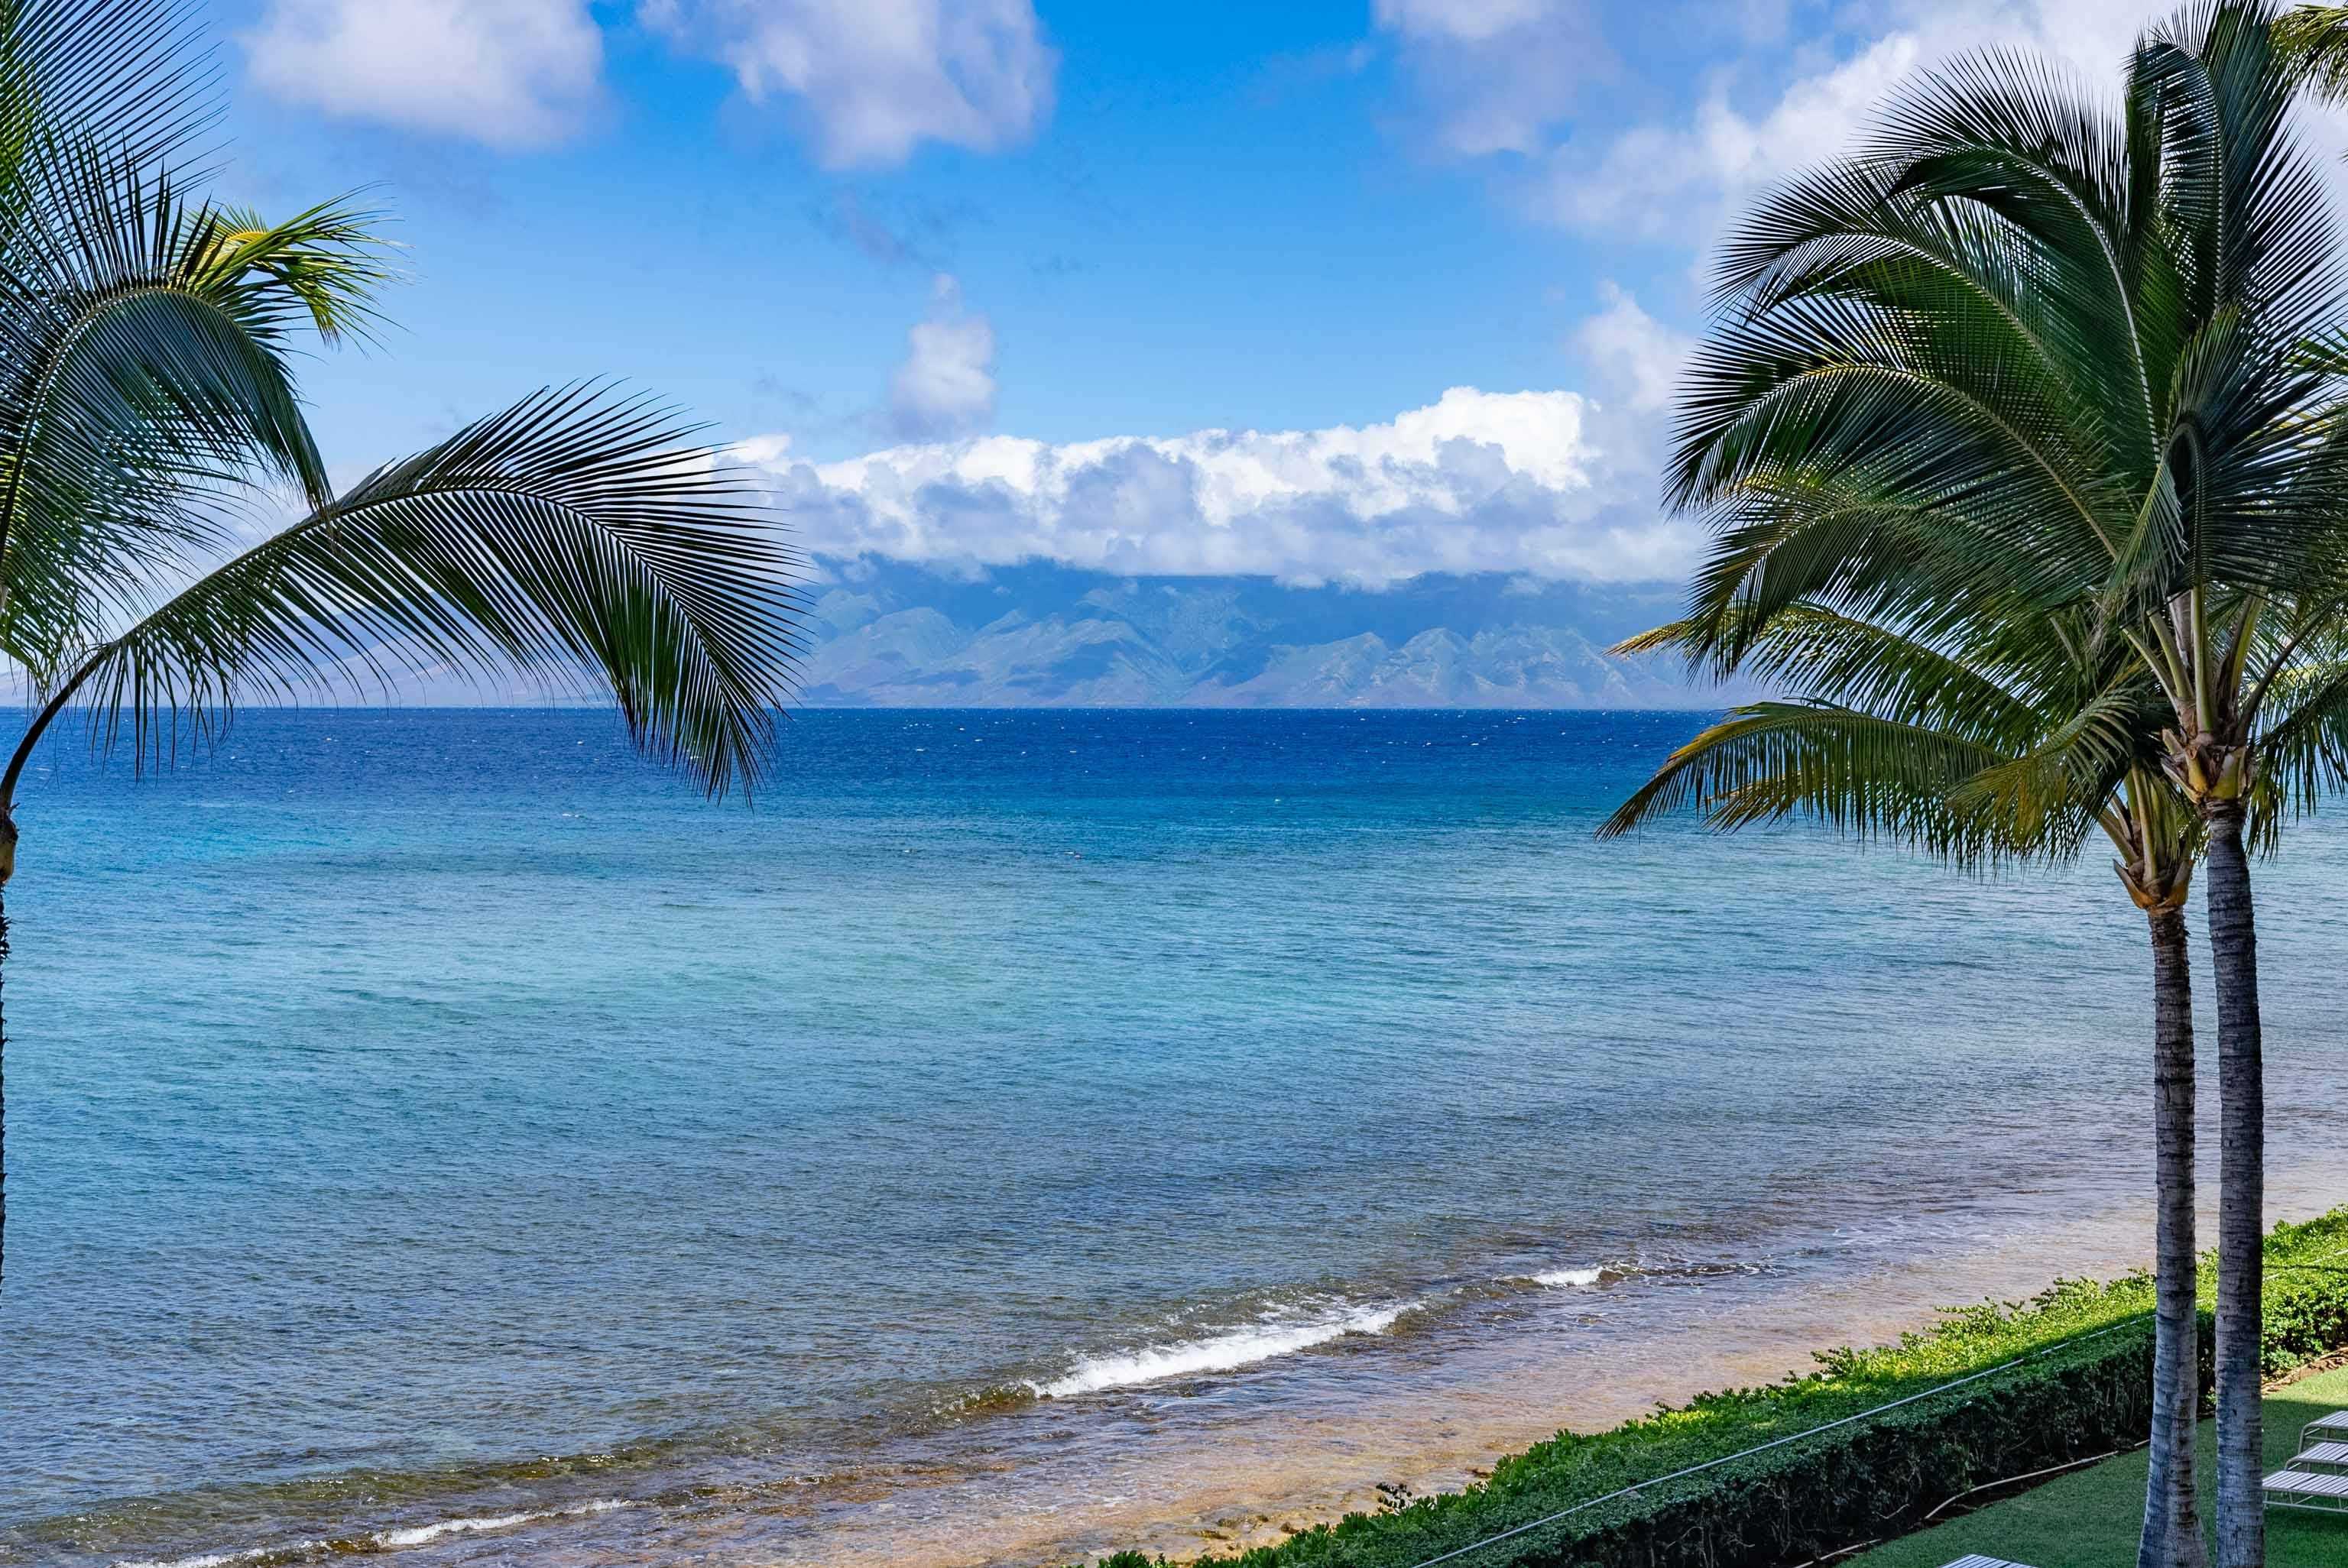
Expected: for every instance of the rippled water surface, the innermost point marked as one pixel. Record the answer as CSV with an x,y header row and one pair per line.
x,y
440,1132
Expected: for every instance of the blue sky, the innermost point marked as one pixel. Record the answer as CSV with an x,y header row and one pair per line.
x,y
917,253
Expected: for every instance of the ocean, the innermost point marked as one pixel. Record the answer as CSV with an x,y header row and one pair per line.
x,y
1013,1135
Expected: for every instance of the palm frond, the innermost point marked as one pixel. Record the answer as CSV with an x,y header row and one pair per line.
x,y
1867,776
2313,42
579,531
2048,792
1843,660
1919,566
133,74
145,349
2304,749
325,265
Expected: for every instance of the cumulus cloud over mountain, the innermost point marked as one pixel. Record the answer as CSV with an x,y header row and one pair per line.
x,y
1535,483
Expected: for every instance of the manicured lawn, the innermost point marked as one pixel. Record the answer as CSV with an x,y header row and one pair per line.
x,y
2090,1519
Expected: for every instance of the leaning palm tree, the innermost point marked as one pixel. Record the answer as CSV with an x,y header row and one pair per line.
x,y
146,344
2012,734
2070,347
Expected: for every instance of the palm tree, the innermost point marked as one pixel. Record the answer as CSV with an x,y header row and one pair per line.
x,y
2236,580
145,386
2007,737
2072,350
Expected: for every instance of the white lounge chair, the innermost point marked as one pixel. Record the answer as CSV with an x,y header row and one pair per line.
x,y
2322,1456
1978,1561
2333,1428
2306,1488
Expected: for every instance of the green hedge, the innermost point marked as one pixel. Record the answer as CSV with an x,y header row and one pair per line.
x,y
2086,1391
2306,1313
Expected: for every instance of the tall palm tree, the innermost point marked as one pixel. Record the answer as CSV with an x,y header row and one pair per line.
x,y
2014,735
146,388
2235,578
2072,348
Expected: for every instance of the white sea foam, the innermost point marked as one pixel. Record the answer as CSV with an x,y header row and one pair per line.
x,y
1273,1335
418,1535
387,1540
222,1559
1569,1279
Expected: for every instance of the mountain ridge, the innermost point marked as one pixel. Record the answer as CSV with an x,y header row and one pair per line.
x,y
903,639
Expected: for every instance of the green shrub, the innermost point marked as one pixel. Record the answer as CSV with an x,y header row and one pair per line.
x,y
2085,1390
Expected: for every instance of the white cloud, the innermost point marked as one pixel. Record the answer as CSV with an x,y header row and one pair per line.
x,y
872,79
1468,21
1634,352
1506,76
875,79
1476,482
1494,75
946,385
512,73
1682,180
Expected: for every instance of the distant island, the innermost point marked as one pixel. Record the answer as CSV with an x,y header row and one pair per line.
x,y
886,635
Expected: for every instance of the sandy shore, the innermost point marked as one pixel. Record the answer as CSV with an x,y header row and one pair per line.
x,y
1144,1482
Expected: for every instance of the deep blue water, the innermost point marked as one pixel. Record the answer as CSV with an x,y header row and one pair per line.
x,y
401,1101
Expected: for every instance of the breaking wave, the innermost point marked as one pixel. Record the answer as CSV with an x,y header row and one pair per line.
x,y
1569,1278
1276,1334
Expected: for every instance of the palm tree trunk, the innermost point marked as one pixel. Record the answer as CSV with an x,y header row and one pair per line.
x,y
3,1101
2172,1515
2241,1202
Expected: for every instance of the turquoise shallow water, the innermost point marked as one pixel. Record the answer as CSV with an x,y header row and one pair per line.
x,y
438,1116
